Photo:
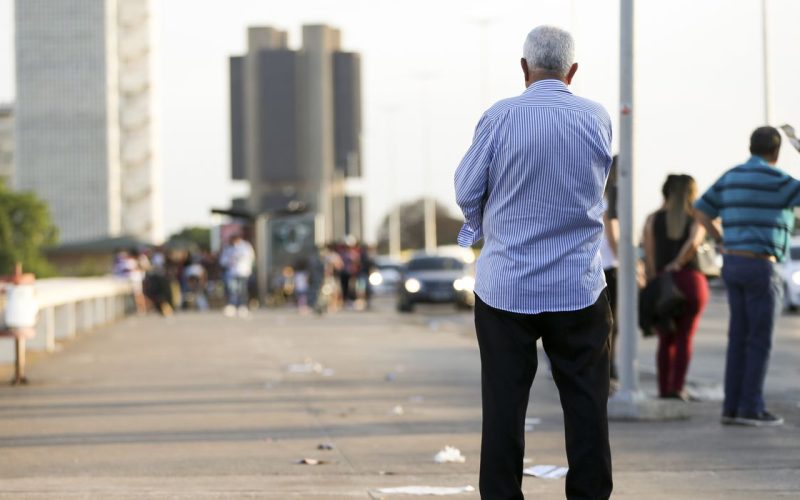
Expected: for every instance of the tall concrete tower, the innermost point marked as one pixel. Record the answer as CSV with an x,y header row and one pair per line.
x,y
296,125
84,116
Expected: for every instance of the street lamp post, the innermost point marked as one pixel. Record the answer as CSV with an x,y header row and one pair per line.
x,y
629,403
429,214
395,245
765,61
627,287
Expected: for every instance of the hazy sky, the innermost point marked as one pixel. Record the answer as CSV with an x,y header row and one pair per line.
x,y
430,67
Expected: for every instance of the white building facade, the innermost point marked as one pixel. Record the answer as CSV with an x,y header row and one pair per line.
x,y
7,145
85,134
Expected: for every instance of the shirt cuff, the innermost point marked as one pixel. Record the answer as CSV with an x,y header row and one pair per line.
x,y
469,236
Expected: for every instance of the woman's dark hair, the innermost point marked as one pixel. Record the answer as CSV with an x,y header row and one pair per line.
x,y
665,188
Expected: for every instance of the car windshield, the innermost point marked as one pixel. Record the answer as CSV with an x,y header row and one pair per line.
x,y
794,253
435,264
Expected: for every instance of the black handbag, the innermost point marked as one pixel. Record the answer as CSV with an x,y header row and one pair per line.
x,y
660,302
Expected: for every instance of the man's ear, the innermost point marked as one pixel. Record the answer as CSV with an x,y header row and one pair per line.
x,y
525,71
571,73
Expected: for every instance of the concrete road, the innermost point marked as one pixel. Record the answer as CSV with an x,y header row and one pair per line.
x,y
202,406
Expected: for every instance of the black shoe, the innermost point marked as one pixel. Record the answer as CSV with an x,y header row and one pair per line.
x,y
728,419
763,419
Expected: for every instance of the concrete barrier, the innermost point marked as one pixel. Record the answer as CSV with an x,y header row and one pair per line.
x,y
69,306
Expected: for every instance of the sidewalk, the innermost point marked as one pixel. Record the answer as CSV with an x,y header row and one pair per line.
x,y
202,406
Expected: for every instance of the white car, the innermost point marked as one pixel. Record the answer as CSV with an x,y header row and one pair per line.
x,y
791,276
385,275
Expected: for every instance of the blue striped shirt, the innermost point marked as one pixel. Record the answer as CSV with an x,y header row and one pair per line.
x,y
531,185
754,201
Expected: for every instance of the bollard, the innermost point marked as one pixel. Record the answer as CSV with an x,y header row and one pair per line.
x,y
20,317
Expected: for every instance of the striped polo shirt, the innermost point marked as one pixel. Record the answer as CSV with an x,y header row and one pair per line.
x,y
754,202
531,185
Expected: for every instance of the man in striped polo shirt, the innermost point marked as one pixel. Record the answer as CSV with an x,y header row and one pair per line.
x,y
754,202
531,186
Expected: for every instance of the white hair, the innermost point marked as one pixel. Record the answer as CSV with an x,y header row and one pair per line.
x,y
549,48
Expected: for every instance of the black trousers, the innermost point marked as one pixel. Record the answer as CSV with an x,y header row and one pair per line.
x,y
577,343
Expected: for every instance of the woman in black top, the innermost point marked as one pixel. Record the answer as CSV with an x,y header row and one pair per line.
x,y
671,238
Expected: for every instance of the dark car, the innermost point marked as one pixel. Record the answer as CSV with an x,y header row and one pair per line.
x,y
435,279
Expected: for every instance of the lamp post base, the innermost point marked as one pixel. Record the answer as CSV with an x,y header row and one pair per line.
x,y
636,406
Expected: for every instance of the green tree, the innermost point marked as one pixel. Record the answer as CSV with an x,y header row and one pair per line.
x,y
25,229
199,237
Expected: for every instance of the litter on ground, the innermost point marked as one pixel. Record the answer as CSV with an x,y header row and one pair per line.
x,y
427,490
449,455
546,471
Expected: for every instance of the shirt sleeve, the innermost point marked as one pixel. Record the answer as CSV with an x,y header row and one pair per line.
x,y
711,201
471,182
794,193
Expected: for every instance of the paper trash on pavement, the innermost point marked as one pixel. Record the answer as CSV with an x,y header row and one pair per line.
x,y
312,461
397,410
426,490
307,366
449,455
546,471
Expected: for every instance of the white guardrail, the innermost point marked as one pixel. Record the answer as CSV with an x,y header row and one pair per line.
x,y
69,306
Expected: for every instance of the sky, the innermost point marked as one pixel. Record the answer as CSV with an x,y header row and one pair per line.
x,y
431,67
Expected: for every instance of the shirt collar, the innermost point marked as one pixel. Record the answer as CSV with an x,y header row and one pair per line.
x,y
549,84
757,161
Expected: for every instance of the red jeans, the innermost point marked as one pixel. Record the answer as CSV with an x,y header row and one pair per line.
x,y
675,348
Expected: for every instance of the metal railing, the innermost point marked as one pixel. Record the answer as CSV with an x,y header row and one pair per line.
x,y
70,306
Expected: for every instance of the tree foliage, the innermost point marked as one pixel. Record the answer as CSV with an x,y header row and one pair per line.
x,y
25,230
197,237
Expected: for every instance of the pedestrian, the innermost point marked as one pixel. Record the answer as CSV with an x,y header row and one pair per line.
x,y
127,265
608,254
365,266
531,186
194,275
157,286
237,259
754,201
671,238
301,284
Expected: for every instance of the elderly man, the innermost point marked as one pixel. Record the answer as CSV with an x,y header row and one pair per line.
x,y
531,185
754,201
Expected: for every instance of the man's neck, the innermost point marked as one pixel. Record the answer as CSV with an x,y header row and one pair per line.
x,y
538,76
769,160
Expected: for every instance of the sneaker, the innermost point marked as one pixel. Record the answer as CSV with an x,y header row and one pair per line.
x,y
763,419
728,419
244,312
229,311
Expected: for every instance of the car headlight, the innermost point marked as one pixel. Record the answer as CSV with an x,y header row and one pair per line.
x,y
375,279
412,285
796,278
465,284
